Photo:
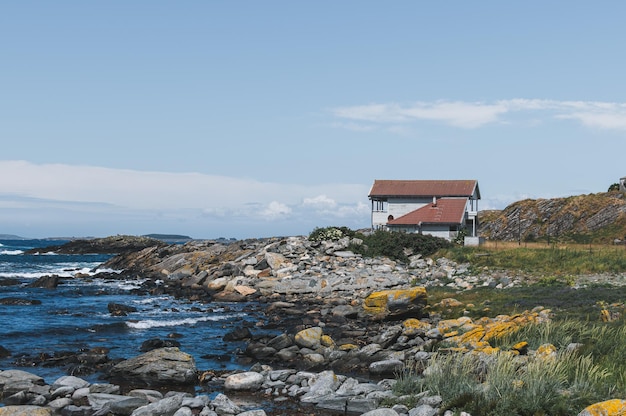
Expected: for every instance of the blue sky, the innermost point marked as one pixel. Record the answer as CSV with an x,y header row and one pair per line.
x,y
253,119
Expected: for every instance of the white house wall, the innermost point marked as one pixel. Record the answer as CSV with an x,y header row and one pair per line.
x,y
398,207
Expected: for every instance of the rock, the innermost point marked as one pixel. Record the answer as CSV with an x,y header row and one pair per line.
x,y
117,309
320,386
383,411
238,334
399,303
309,338
127,406
70,381
280,342
224,406
4,352
25,411
154,343
162,366
19,301
250,381
164,407
46,282
613,407
386,367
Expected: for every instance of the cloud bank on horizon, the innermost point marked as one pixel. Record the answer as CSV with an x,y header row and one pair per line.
x,y
66,194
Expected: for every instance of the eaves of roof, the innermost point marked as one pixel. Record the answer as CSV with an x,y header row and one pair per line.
x,y
383,188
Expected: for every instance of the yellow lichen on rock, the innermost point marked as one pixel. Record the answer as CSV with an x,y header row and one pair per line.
x,y
395,302
327,341
546,351
615,407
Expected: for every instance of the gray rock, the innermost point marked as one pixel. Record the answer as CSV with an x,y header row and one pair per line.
x,y
73,410
320,386
59,404
386,367
249,381
70,381
158,367
183,411
253,413
224,406
383,411
423,410
150,395
100,400
127,406
164,407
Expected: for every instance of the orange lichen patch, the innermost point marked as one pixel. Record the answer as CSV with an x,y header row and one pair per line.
x,y
474,335
488,350
615,407
378,302
348,347
327,341
546,351
450,334
448,324
500,329
520,347
449,303
413,323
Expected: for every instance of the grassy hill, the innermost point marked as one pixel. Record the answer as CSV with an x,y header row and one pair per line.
x,y
593,218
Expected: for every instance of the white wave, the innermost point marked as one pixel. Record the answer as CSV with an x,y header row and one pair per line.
x,y
11,252
107,270
151,300
153,323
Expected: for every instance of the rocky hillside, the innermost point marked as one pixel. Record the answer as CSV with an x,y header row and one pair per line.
x,y
592,218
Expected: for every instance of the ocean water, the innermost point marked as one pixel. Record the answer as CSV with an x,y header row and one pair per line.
x,y
74,316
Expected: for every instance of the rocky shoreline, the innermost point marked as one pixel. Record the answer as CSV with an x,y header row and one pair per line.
x,y
348,326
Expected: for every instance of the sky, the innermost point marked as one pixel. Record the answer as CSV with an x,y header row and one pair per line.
x,y
246,119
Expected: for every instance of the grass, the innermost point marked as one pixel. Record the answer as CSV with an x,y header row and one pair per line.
x,y
503,383
559,260
588,366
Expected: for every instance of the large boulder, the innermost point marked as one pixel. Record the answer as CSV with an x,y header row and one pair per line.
x,y
162,366
396,303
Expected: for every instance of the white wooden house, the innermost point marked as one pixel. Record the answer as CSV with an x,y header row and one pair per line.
x,y
440,208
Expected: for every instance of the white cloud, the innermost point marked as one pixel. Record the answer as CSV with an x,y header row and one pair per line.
x,y
275,210
471,115
127,201
320,202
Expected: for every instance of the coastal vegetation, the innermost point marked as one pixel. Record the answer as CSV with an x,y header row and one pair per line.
x,y
576,357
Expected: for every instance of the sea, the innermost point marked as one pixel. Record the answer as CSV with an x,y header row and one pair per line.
x,y
74,316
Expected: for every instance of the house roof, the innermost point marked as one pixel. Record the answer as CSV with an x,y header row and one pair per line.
x,y
384,188
444,211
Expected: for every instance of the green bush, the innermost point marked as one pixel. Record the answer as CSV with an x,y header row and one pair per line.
x,y
398,245
330,233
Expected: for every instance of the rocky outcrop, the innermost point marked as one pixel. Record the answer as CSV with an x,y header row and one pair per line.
x,y
108,245
595,217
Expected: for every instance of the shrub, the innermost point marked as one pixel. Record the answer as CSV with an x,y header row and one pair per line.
x,y
398,245
330,233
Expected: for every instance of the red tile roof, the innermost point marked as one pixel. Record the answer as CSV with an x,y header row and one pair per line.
x,y
445,211
423,188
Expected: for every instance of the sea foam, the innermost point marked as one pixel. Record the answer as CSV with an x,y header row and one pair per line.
x,y
153,323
